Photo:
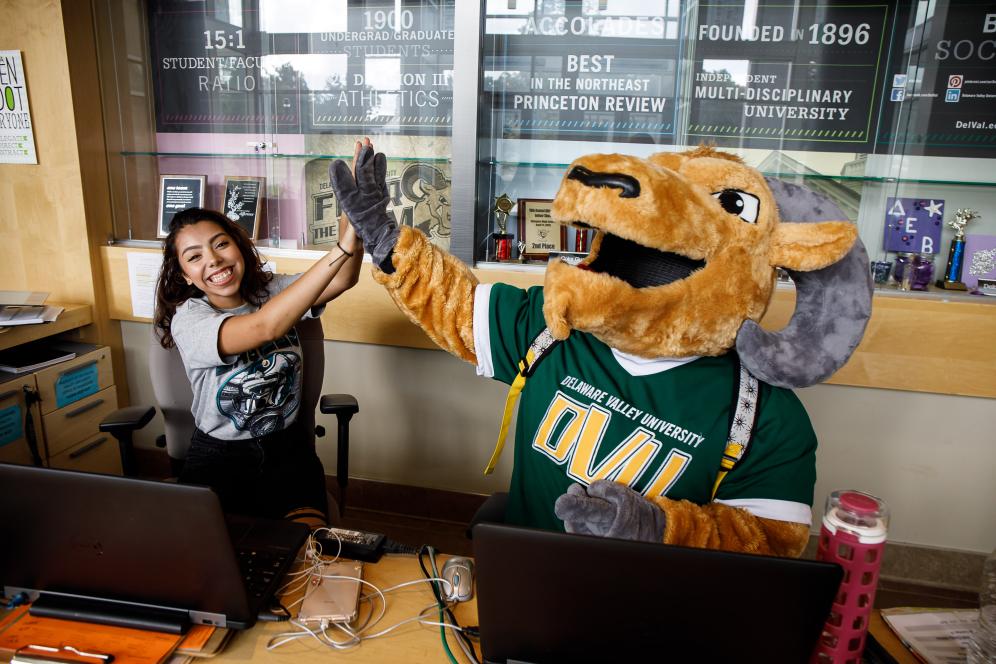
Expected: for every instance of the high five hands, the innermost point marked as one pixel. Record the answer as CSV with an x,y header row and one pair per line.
x,y
363,196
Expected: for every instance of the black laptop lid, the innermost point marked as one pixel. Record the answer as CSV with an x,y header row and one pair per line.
x,y
152,544
551,597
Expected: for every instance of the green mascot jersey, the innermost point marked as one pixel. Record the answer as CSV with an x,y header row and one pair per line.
x,y
583,417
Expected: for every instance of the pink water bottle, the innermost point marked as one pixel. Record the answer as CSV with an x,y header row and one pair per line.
x,y
853,535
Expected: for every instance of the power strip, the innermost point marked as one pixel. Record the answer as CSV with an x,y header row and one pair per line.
x,y
356,544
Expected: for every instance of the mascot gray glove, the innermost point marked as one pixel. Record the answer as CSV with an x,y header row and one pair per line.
x,y
610,509
364,200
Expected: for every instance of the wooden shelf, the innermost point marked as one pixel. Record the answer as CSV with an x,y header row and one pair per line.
x,y
73,316
939,343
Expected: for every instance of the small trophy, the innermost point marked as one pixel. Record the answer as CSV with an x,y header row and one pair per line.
x,y
503,240
956,256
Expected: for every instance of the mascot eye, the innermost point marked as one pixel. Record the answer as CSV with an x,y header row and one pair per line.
x,y
740,203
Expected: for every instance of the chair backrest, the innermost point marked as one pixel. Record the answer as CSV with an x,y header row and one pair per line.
x,y
174,396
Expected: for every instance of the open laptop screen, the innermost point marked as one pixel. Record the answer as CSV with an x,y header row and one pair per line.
x,y
551,597
159,548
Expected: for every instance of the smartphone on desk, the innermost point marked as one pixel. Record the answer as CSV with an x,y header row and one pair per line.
x,y
330,599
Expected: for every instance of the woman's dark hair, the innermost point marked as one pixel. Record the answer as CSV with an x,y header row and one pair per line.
x,y
171,288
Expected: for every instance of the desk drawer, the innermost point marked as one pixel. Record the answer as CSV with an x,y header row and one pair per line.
x,y
68,382
13,435
77,421
98,454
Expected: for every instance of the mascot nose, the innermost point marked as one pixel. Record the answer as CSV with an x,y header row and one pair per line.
x,y
629,185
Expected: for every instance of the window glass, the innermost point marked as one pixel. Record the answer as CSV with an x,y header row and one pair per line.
x,y
258,96
882,105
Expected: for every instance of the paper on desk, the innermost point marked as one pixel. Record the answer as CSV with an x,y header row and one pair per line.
x,y
30,298
129,646
143,270
22,315
937,636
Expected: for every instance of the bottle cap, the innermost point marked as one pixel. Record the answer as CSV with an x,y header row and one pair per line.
x,y
858,503
861,514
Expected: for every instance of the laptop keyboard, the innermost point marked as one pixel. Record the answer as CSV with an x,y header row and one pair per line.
x,y
260,570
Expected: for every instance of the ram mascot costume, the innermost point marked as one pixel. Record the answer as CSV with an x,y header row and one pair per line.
x,y
653,406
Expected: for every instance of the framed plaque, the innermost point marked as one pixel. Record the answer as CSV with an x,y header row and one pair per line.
x,y
178,193
539,234
245,202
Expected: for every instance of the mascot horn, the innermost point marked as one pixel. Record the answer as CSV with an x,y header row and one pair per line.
x,y
833,305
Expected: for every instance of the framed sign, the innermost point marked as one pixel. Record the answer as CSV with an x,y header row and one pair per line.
x,y
245,202
539,234
178,193
17,138
217,67
420,198
913,224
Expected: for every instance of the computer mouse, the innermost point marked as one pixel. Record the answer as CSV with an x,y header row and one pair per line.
x,y
459,571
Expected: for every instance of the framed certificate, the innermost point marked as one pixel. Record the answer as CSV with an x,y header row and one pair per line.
x,y
539,234
177,193
245,202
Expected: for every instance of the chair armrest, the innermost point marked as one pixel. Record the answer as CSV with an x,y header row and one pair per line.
x,y
126,420
343,406
338,404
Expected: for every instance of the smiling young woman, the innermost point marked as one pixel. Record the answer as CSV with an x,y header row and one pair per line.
x,y
233,324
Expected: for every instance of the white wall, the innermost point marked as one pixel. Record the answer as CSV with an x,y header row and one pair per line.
x,y
426,419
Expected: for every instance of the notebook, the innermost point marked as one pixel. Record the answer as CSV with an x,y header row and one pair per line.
x,y
553,597
32,357
137,553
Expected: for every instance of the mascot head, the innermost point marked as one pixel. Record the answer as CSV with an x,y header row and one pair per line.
x,y
683,264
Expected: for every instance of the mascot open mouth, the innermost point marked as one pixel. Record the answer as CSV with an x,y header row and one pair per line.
x,y
637,265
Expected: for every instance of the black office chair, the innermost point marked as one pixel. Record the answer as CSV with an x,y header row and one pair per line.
x,y
174,397
492,510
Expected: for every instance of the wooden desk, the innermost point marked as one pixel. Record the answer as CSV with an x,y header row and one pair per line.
x,y
411,643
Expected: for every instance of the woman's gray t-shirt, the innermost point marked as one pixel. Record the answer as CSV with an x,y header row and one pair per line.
x,y
241,396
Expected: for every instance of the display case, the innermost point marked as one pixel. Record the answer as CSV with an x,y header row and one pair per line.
x,y
256,98
884,105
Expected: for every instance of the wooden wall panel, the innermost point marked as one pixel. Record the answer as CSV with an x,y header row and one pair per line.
x,y
42,218
55,213
912,343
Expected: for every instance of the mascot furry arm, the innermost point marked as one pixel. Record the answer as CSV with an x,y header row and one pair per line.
x,y
681,269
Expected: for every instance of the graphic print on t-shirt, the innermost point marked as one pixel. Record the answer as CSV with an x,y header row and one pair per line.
x,y
262,395
574,433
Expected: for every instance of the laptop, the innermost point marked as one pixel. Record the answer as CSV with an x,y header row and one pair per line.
x,y
552,597
137,553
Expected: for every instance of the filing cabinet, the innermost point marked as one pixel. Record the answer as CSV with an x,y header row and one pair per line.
x,y
72,397
17,419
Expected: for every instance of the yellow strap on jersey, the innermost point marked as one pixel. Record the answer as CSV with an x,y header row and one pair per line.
x,y
741,428
731,455
506,418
